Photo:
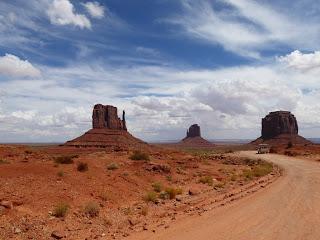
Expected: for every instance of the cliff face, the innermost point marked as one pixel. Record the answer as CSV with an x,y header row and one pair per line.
x,y
106,116
280,122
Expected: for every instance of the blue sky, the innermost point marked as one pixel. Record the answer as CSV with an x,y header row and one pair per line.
x,y
221,63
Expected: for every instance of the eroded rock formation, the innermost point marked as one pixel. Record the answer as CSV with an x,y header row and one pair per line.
x,y
106,116
279,122
194,131
280,127
108,131
194,139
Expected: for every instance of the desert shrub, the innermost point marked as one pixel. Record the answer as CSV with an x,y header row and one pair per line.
x,y
27,151
64,159
273,150
229,151
172,192
219,185
82,167
206,180
233,177
104,196
151,197
258,171
61,210
289,153
112,166
138,155
169,178
157,186
3,161
290,145
92,209
144,210
60,173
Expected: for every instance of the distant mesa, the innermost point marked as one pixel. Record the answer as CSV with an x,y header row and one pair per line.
x,y
194,139
280,127
108,130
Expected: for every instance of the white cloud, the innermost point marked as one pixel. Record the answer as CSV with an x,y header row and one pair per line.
x,y
301,61
11,65
160,102
244,27
94,9
61,12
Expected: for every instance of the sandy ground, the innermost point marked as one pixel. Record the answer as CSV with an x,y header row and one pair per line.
x,y
287,209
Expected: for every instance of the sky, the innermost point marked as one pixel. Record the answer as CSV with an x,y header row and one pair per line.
x,y
223,64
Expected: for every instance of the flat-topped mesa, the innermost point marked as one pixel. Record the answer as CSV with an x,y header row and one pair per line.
x,y
194,131
106,116
280,128
279,122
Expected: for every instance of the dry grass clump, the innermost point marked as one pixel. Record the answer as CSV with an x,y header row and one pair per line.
x,y
92,209
82,167
61,210
157,187
68,159
138,155
4,161
258,171
170,193
60,173
151,197
206,180
112,166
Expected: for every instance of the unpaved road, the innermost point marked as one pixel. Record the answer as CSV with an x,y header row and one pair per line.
x,y
288,209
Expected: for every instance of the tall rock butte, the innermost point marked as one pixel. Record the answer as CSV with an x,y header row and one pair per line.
x,y
194,139
108,131
280,127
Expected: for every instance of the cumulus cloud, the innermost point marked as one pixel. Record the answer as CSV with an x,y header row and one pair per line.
x,y
11,65
61,12
160,102
302,61
94,9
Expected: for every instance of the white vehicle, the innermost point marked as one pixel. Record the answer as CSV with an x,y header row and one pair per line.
x,y
263,148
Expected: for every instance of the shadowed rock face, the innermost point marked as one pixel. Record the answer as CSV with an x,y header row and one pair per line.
x,y
194,131
280,122
106,116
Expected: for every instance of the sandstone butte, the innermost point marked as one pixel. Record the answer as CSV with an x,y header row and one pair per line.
x,y
108,131
193,138
280,127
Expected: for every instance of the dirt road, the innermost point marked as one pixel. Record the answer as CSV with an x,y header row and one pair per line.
x,y
288,209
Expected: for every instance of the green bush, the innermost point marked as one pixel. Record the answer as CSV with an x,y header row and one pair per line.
x,y
112,166
3,161
82,167
258,171
138,155
61,210
206,180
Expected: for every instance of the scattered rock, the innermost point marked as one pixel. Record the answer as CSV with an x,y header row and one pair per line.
x,y
193,191
165,168
6,204
57,234
17,230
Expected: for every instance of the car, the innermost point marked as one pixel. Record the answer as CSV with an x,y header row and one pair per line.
x,y
263,148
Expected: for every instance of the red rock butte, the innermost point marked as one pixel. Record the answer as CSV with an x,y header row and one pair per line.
x,y
280,127
108,131
194,139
